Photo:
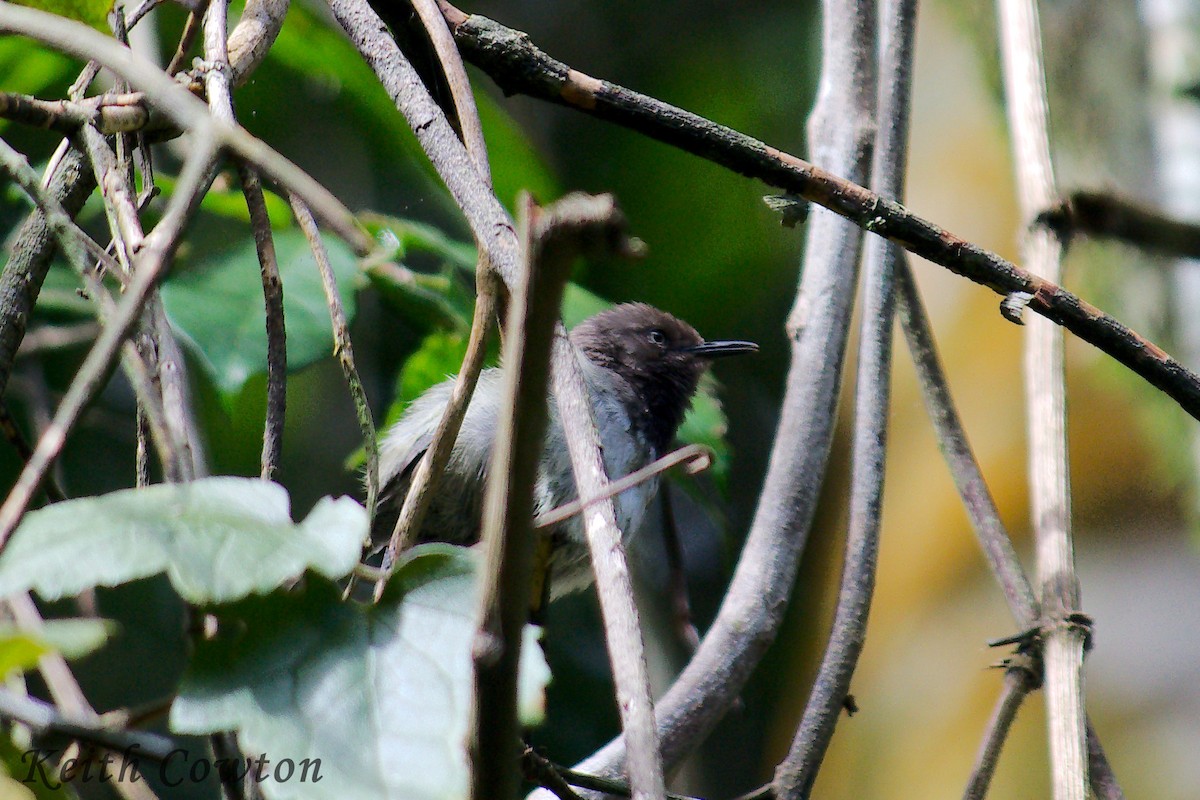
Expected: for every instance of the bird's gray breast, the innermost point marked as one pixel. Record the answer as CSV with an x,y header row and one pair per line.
x,y
624,452
455,512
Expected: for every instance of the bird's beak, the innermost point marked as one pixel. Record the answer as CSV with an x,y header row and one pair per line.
x,y
721,348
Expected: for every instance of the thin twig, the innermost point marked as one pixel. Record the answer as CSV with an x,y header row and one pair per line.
x,y
44,718
156,252
272,283
490,224
432,465
191,29
167,400
509,499
1045,393
49,338
518,67
185,110
695,458
1018,683
460,86
956,449
342,347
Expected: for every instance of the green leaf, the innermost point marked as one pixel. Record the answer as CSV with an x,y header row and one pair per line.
x,y
379,695
217,539
74,638
217,305
231,203
89,12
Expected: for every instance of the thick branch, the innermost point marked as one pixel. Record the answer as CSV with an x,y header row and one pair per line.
x,y
520,68
32,252
509,499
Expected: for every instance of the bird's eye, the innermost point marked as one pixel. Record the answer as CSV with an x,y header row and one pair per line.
x,y
658,337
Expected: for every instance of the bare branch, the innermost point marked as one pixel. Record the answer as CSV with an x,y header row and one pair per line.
x,y
433,464
1045,397
520,68
490,224
622,632
342,347
183,109
508,536
1107,216
32,252
460,86
272,283
1018,682
44,718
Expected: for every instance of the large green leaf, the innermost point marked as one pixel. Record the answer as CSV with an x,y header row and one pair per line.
x,y
379,695
217,539
217,304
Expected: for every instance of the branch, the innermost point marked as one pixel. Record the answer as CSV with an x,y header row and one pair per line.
x,y
1045,397
622,632
518,67
853,55
491,227
182,108
342,346
508,536
695,457
44,718
1018,682
754,605
1107,216
156,252
456,78
956,449
272,283
32,253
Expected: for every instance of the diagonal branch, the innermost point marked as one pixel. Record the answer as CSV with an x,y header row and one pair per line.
x,y
519,67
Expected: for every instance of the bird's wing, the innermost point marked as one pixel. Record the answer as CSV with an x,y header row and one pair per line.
x,y
392,494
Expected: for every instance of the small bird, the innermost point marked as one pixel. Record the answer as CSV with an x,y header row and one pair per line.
x,y
641,366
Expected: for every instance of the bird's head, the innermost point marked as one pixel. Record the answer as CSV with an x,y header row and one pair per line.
x,y
658,356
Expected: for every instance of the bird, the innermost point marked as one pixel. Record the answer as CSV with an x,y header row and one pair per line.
x,y
641,366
